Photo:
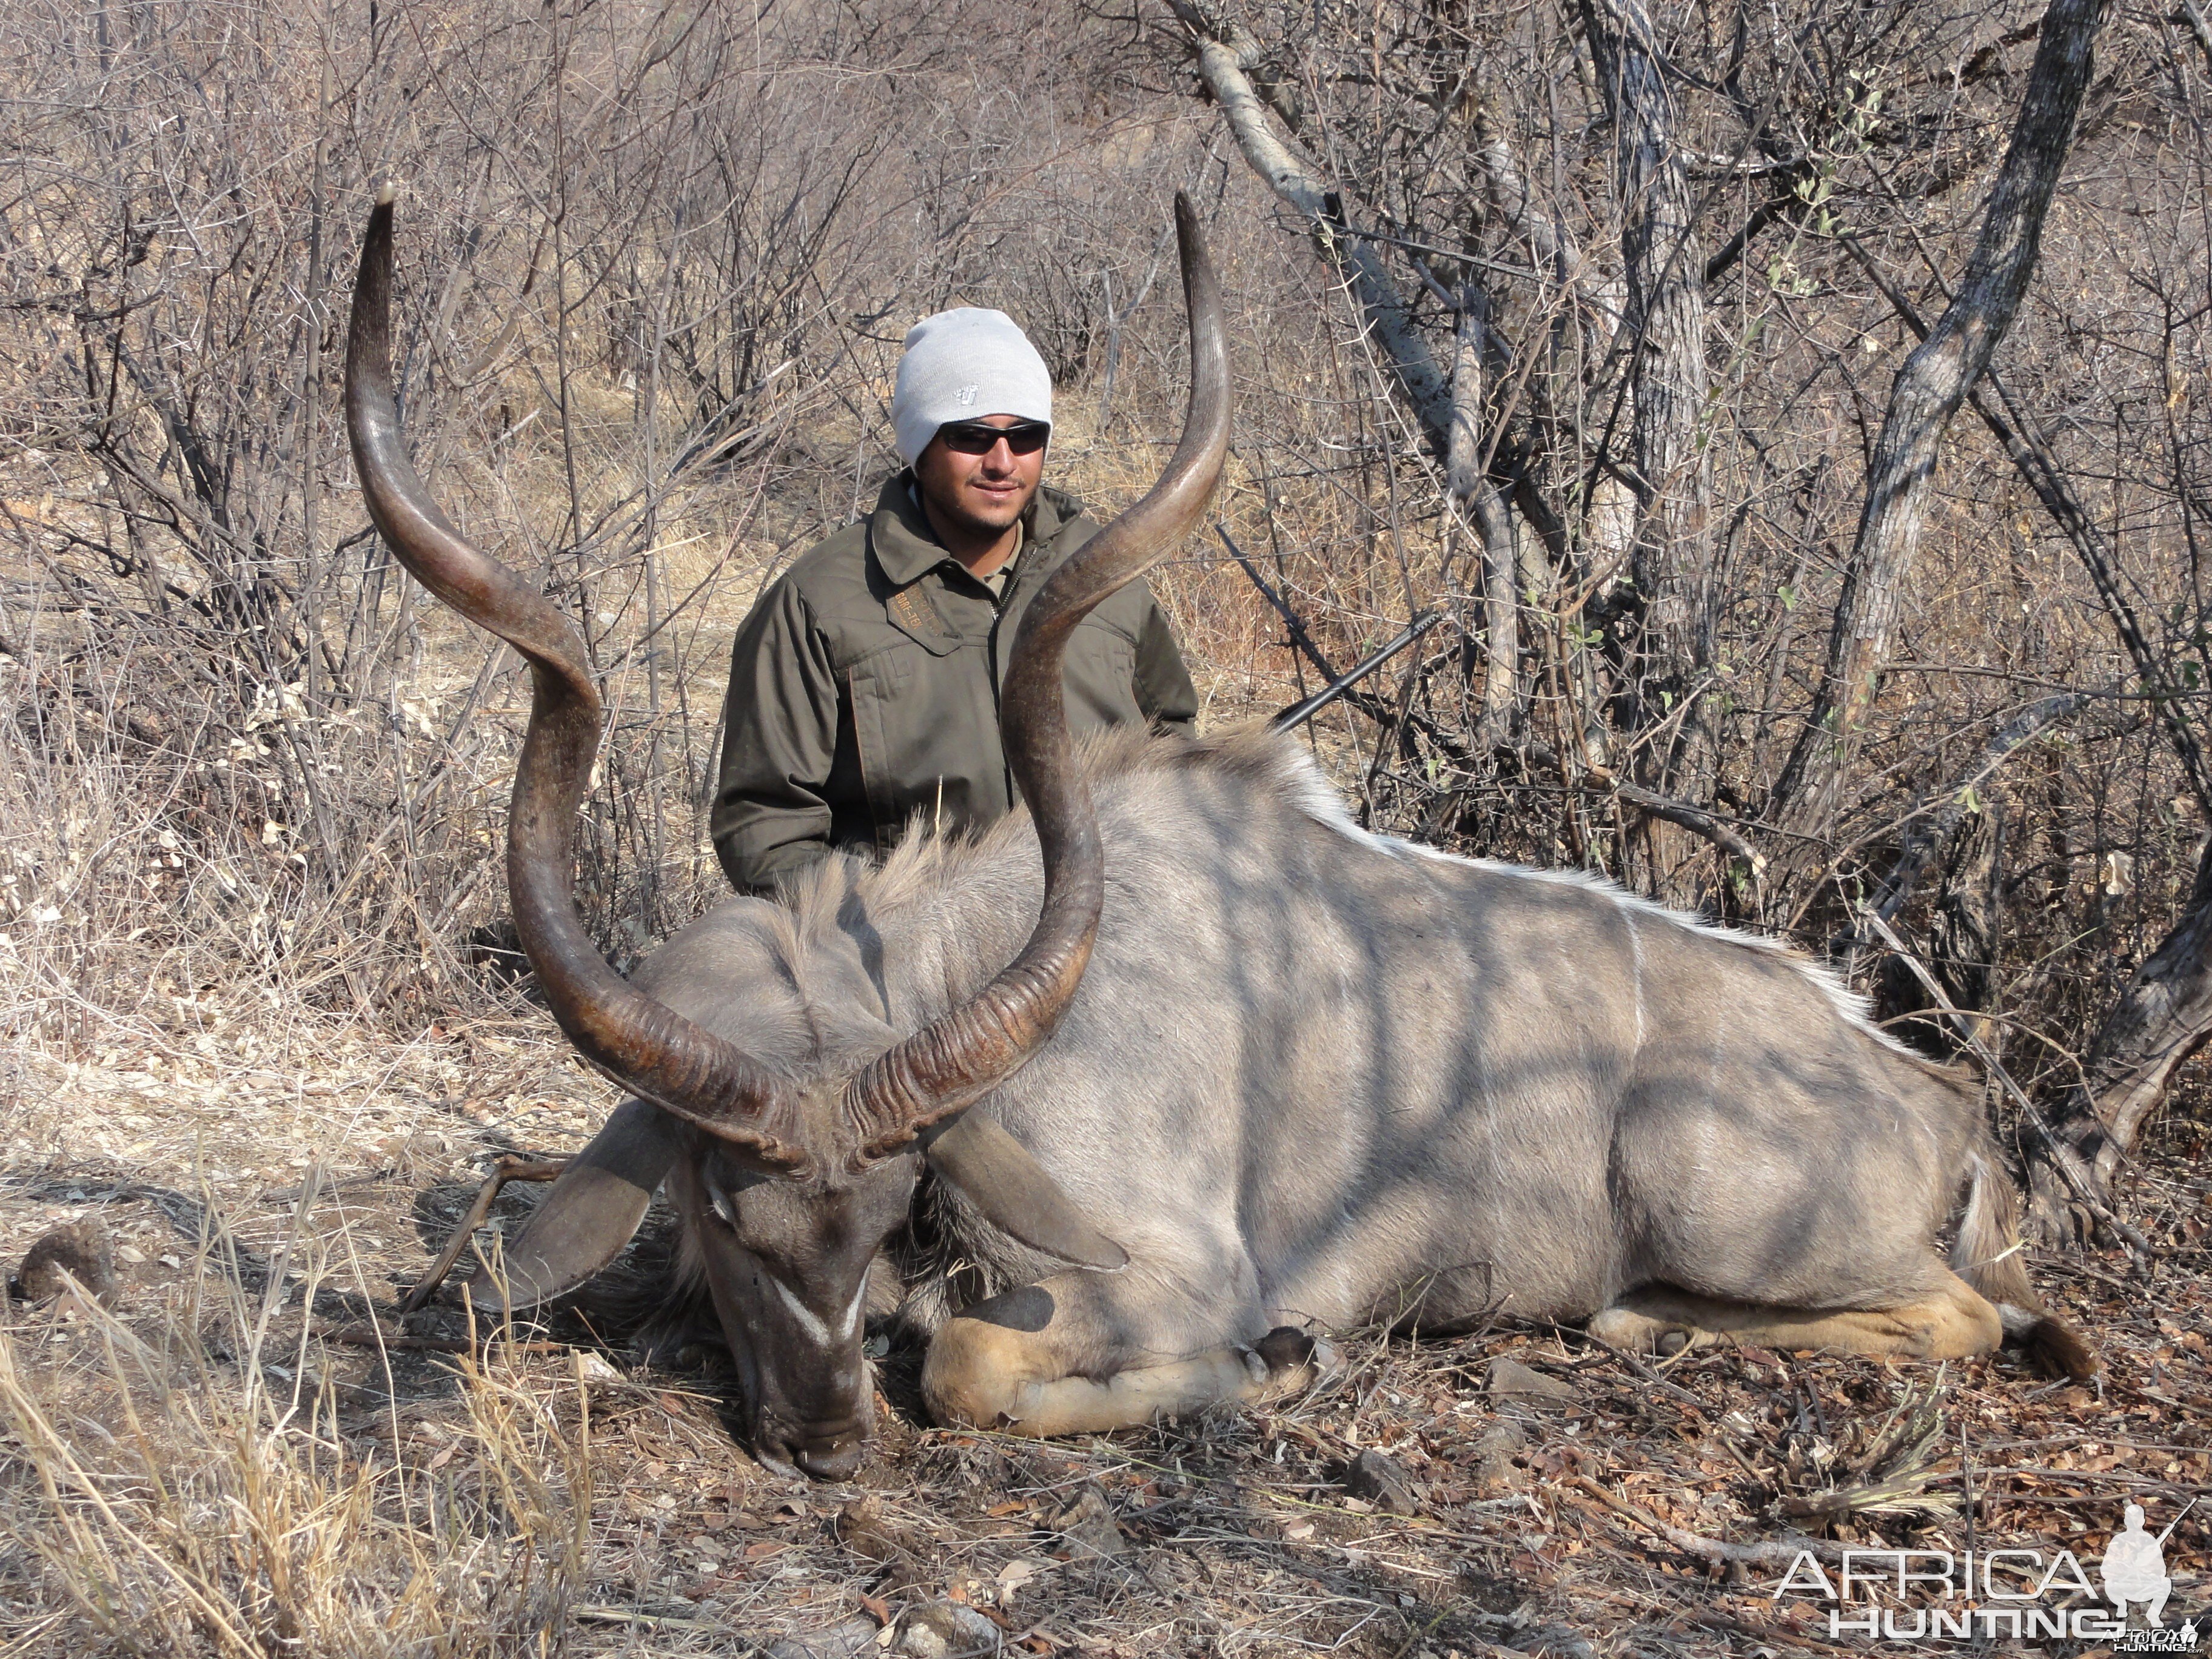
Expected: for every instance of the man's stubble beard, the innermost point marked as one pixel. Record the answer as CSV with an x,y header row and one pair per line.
x,y
957,517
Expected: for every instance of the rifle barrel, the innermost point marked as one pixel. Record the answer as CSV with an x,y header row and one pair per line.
x,y
1298,713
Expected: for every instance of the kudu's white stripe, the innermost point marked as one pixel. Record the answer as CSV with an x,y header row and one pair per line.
x,y
812,1323
1320,802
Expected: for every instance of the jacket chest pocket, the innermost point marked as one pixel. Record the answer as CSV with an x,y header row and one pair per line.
x,y
1100,677
928,737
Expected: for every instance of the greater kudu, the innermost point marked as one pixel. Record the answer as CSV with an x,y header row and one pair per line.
x,y
1309,1072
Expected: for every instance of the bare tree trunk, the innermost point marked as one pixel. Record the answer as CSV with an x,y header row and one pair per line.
x,y
1673,558
1225,54
1929,389
1962,940
2160,1021
1578,294
2040,469
1671,561
1469,483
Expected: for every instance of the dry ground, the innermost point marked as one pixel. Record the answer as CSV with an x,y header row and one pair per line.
x,y
230,1461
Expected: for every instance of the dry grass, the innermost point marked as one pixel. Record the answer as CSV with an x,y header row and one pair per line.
x,y
217,1466
177,1502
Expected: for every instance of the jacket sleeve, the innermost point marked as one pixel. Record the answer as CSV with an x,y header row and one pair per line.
x,y
780,737
1163,688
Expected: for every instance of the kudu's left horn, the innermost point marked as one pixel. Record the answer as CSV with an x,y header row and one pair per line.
x,y
648,1049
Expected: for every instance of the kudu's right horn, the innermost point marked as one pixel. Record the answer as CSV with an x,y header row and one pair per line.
x,y
648,1048
970,1051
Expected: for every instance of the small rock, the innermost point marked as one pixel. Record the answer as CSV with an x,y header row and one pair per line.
x,y
1511,1377
1495,1475
1552,1639
846,1641
1382,1481
83,1250
945,1629
1089,1526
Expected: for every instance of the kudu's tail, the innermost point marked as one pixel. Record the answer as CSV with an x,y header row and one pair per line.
x,y
1988,1255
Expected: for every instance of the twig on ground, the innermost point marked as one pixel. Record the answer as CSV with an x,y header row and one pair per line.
x,y
1773,1552
507,1170
368,1178
373,1336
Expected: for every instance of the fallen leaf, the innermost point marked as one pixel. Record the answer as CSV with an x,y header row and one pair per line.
x,y
593,1372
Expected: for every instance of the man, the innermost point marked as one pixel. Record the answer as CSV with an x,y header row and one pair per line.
x,y
864,687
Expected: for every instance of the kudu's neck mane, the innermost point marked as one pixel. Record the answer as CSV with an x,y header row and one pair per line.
x,y
937,890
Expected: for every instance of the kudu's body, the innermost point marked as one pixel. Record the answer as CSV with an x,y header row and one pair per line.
x,y
1314,1077
1295,1075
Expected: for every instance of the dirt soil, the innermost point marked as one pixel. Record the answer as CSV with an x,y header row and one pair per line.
x,y
248,1450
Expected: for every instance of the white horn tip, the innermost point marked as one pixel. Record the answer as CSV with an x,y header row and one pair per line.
x,y
386,193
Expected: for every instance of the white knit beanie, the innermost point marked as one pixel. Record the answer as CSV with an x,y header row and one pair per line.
x,y
960,366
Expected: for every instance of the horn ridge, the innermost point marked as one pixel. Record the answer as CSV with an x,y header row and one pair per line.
x,y
970,1051
642,1044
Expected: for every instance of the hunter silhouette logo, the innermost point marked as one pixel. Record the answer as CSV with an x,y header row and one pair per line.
x,y
1986,1594
2134,1567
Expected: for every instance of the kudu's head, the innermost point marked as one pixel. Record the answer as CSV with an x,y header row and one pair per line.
x,y
789,1174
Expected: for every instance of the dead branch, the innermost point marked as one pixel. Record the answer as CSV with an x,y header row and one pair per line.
x,y
507,1170
1929,389
1779,1553
2061,1156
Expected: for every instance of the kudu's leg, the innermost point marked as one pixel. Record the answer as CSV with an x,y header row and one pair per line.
x,y
1070,1356
1951,1321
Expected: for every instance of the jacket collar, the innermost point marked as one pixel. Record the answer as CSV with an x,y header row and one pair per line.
x,y
907,550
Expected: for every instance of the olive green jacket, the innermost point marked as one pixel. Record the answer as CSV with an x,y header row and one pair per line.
x,y
864,687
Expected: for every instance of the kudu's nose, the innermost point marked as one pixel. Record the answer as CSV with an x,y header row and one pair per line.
x,y
828,1448
830,1457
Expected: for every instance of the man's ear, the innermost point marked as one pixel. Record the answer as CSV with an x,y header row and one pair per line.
x,y
592,1211
996,1174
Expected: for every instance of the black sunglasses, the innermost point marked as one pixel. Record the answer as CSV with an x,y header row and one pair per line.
x,y
981,437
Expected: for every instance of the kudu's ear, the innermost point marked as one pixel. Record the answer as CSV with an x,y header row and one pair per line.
x,y
996,1174
591,1211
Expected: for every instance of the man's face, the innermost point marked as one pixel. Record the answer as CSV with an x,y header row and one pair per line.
x,y
980,494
